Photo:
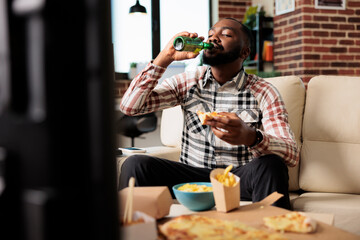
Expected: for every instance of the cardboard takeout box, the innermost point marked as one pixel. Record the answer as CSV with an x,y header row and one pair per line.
x,y
253,215
154,201
146,230
226,198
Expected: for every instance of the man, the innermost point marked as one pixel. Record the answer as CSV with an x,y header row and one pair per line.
x,y
254,136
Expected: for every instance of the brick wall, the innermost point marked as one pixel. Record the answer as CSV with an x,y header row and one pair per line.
x,y
120,87
233,8
311,41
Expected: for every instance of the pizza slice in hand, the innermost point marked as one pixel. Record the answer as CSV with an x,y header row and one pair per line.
x,y
291,222
205,116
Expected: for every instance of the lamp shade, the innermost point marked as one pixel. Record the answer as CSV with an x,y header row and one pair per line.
x,y
137,8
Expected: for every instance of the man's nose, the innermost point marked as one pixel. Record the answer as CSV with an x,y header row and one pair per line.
x,y
214,39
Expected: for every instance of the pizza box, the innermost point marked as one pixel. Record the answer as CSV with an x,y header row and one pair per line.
x,y
253,215
226,198
154,201
146,230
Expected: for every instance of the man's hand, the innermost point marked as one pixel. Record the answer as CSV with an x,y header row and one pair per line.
x,y
169,54
232,129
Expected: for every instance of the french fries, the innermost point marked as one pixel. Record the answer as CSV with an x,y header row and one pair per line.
x,y
227,179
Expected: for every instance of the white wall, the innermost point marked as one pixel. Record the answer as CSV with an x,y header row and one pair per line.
x,y
268,6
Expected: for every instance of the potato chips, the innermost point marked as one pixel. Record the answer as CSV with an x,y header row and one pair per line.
x,y
194,188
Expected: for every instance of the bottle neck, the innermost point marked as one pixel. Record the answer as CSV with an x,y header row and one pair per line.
x,y
208,45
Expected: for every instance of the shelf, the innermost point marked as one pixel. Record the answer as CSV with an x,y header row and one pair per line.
x,y
262,31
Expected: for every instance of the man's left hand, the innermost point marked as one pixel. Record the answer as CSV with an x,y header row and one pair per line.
x,y
232,129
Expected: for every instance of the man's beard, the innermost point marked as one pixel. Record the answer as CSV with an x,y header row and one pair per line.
x,y
222,58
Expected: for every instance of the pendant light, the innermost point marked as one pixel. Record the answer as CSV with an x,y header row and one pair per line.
x,y
137,8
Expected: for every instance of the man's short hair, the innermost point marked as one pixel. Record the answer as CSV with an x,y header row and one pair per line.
x,y
246,31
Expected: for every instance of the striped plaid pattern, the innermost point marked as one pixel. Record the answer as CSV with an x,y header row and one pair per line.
x,y
254,100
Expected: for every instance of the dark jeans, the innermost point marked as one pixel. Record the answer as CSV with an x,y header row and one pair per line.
x,y
258,179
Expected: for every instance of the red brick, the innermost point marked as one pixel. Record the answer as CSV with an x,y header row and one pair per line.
x,y
354,19
354,35
338,19
293,65
311,25
338,50
346,72
325,11
321,18
308,64
328,57
337,34
293,20
346,57
346,12
346,27
321,49
338,64
307,48
307,33
310,10
321,64
298,26
329,72
312,56
353,3
306,17
321,34
312,40
329,26
329,41
277,31
288,29
352,50
346,42
283,38
294,35
354,64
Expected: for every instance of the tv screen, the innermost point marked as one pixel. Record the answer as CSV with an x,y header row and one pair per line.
x,y
57,137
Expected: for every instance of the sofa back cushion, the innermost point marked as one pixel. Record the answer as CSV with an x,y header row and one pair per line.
x,y
330,156
172,121
292,91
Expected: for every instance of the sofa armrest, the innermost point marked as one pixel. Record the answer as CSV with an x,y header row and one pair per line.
x,y
170,153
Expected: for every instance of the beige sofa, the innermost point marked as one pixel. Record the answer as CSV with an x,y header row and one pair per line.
x,y
325,119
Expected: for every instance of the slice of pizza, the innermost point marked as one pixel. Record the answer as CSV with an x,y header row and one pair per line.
x,y
201,227
205,116
291,222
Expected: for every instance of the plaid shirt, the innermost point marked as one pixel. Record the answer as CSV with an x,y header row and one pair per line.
x,y
254,100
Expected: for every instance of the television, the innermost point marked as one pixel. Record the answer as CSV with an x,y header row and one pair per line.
x,y
57,137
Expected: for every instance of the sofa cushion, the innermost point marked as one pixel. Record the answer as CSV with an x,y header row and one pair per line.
x,y
345,207
292,91
172,121
331,141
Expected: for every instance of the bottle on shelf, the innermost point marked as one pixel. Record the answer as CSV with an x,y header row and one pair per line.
x,y
191,44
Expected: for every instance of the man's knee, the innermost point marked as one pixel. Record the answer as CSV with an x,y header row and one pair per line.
x,y
135,161
271,164
134,166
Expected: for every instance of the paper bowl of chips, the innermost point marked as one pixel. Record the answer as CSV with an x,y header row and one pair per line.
x,y
196,196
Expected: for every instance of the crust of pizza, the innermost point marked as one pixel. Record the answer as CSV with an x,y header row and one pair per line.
x,y
291,222
205,116
200,227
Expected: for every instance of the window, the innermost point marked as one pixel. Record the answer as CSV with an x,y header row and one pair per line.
x,y
132,34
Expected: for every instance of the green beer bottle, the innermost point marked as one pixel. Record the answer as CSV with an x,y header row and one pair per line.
x,y
191,44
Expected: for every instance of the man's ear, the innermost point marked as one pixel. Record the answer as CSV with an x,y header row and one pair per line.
x,y
245,52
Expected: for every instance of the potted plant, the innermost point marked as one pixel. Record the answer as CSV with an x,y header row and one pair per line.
x,y
132,71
